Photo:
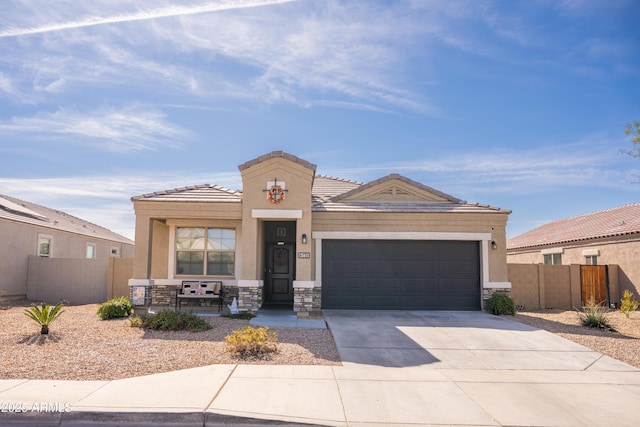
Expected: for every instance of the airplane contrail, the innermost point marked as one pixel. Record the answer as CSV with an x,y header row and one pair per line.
x,y
143,15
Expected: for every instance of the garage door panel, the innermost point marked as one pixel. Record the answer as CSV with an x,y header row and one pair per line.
x,y
341,268
417,275
457,269
409,268
420,286
389,286
392,302
460,301
379,267
450,286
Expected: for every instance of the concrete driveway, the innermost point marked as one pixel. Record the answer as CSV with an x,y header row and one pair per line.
x,y
454,340
472,368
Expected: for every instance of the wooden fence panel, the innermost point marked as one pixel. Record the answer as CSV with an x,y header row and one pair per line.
x,y
594,283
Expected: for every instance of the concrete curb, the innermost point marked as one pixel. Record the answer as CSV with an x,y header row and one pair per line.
x,y
132,419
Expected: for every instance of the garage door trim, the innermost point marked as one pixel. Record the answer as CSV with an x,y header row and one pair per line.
x,y
483,238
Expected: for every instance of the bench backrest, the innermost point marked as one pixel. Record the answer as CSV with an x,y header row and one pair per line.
x,y
211,287
190,287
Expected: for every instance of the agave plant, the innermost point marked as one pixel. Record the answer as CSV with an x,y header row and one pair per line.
x,y
44,315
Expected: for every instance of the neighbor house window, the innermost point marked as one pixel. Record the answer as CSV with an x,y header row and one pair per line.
x,y
591,259
91,250
44,245
554,259
203,251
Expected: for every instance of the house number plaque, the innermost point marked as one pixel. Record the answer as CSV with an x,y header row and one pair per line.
x,y
304,254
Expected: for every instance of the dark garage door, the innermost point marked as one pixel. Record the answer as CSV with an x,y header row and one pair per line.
x,y
400,275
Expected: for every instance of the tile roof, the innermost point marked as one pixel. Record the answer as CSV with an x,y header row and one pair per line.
x,y
194,193
17,210
326,187
618,221
326,195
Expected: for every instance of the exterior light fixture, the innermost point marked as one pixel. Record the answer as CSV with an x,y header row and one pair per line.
x,y
304,239
494,245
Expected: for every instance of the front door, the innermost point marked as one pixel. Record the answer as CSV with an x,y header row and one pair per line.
x,y
279,274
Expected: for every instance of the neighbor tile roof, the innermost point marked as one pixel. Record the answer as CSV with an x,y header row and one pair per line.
x,y
607,223
17,210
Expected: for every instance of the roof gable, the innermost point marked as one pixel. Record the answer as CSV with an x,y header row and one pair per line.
x,y
275,155
617,221
396,188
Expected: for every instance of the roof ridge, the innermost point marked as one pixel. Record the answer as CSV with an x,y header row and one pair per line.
x,y
596,212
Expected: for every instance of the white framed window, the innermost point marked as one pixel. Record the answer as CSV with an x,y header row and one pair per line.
x,y
552,256
204,251
591,259
44,245
553,259
591,256
114,251
91,250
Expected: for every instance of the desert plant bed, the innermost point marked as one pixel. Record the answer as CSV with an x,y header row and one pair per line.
x,y
80,346
624,344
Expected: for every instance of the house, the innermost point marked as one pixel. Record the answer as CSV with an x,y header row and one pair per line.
x,y
610,236
317,242
34,238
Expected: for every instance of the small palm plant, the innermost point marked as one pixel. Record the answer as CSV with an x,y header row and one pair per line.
x,y
44,315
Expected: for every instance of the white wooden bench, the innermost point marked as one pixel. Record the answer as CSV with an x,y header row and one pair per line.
x,y
199,290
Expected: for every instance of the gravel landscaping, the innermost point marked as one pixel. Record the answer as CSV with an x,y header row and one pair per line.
x,y
624,344
80,346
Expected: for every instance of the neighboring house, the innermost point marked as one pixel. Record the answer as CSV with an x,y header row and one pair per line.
x,y
312,242
30,230
610,236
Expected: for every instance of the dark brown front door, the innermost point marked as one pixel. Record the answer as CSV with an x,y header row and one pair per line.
x,y
279,274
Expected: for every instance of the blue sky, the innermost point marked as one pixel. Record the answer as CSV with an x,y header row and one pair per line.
x,y
516,104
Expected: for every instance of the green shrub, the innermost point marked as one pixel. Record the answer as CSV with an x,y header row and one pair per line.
x,y
628,303
44,315
501,304
167,320
244,315
252,342
595,316
115,308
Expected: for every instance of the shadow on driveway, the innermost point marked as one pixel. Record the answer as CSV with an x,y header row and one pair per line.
x,y
441,339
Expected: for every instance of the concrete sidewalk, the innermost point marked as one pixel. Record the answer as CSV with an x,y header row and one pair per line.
x,y
465,370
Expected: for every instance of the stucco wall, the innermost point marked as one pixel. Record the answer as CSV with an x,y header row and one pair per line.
x,y
78,281
623,251
20,240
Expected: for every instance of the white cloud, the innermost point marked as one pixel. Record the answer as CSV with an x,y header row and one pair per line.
x,y
105,200
591,163
140,15
130,129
